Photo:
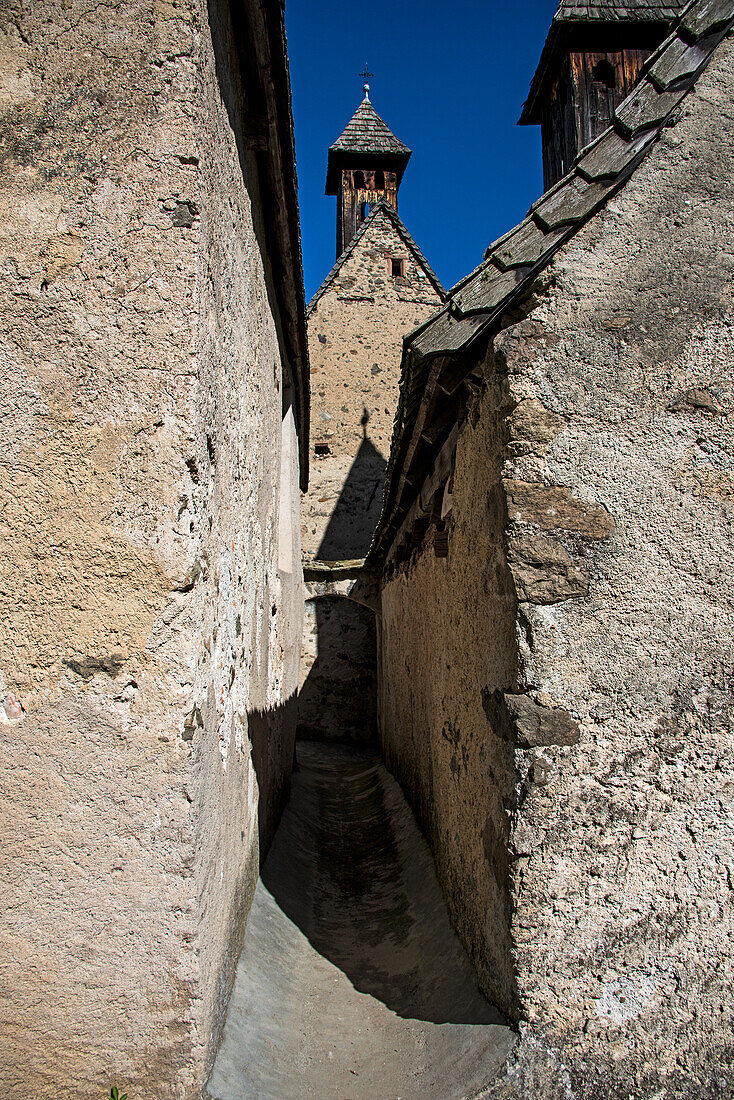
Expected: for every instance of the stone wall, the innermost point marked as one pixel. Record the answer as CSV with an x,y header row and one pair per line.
x,y
355,333
337,697
147,632
579,718
355,341
446,639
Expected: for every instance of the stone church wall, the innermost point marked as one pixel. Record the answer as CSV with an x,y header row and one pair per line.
x,y
338,696
148,635
355,334
581,716
355,341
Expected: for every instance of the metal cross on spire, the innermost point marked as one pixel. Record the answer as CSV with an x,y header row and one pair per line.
x,y
366,74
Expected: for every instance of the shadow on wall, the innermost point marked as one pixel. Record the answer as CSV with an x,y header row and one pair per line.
x,y
272,735
349,531
338,699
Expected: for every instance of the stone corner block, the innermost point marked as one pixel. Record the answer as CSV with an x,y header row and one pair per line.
x,y
521,721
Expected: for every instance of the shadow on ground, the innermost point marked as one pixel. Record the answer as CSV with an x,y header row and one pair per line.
x,y
350,868
351,983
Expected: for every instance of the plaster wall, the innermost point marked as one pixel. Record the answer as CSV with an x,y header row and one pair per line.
x,y
606,429
355,340
145,624
355,333
446,634
338,698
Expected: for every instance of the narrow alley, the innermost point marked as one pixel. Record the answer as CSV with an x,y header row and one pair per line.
x,y
352,982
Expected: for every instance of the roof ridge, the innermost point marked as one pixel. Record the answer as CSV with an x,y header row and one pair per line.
x,y
410,242
381,206
346,252
658,11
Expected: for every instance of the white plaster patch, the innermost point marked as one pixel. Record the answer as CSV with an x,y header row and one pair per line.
x,y
11,711
625,998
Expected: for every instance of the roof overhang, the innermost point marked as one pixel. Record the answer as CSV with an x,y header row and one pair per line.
x,y
341,158
437,379
259,33
574,35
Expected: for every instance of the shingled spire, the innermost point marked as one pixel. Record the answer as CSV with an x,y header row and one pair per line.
x,y
590,62
366,164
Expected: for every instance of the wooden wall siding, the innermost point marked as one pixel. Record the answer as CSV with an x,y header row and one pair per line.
x,y
596,101
580,107
359,186
558,129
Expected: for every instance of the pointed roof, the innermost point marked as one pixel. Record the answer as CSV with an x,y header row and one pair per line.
x,y
437,354
381,207
366,136
366,132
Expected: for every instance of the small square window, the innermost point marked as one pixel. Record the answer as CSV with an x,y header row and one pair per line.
x,y
397,268
322,448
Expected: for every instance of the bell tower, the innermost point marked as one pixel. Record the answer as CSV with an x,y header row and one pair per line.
x,y
590,63
366,164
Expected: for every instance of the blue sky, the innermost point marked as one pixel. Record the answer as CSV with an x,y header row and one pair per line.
x,y
449,79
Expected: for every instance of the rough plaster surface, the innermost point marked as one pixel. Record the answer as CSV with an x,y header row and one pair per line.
x,y
337,698
431,719
355,334
146,632
618,507
355,341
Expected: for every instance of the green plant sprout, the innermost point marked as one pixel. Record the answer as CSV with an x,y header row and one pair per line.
x,y
114,1094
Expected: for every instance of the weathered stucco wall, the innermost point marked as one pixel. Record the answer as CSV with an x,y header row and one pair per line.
x,y
337,699
608,749
355,339
355,333
143,619
446,637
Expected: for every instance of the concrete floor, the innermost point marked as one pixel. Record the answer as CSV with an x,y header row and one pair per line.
x,y
351,982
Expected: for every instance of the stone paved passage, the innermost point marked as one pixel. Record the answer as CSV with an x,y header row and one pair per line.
x,y
351,982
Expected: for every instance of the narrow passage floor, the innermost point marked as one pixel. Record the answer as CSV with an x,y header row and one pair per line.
x,y
352,982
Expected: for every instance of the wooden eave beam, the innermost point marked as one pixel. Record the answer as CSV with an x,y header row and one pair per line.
x,y
260,40
406,475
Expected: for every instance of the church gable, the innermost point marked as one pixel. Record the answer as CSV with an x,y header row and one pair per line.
x,y
382,260
383,264
381,288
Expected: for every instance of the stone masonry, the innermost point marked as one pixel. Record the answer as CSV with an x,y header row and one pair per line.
x,y
356,323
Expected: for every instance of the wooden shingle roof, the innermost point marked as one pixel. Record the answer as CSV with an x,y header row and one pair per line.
x,y
366,139
613,11
366,132
438,356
